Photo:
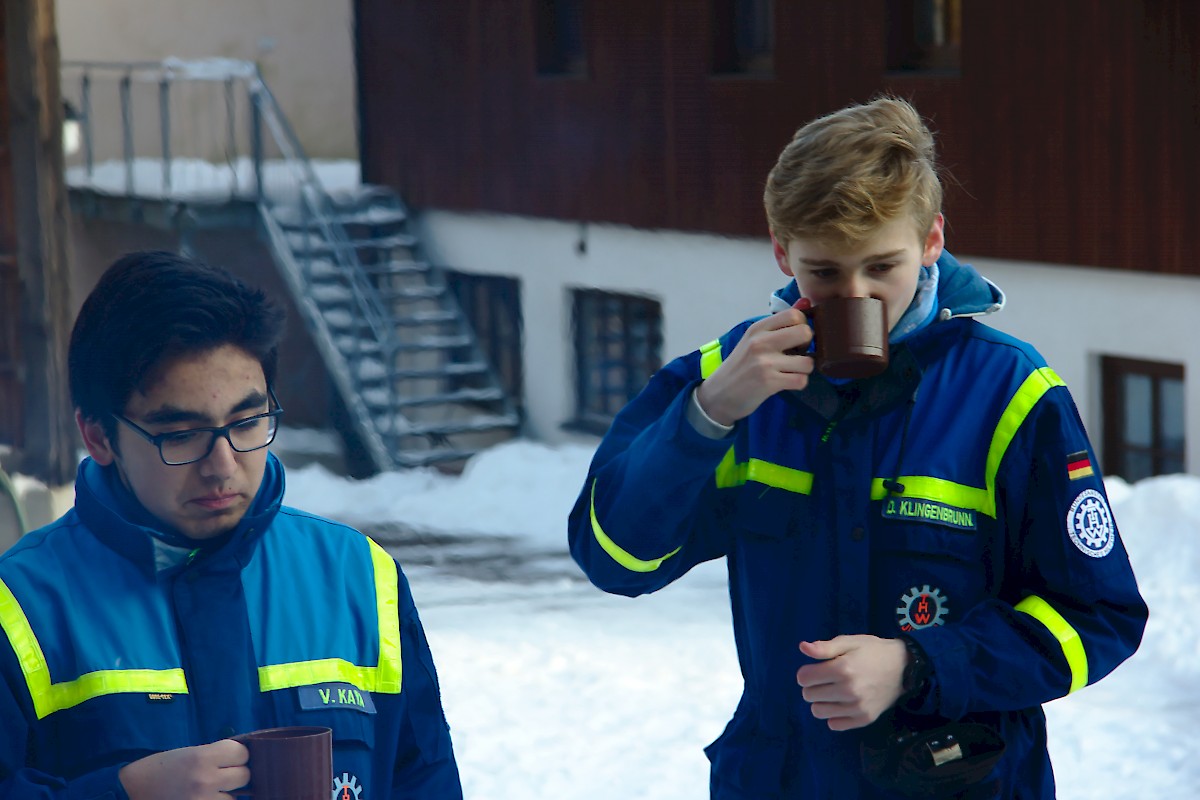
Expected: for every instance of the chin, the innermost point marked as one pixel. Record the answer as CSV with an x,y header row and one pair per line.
x,y
212,527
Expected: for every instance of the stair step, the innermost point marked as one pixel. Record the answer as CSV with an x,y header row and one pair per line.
x,y
329,294
294,220
364,195
425,458
322,269
373,372
348,343
370,370
459,396
487,422
436,343
412,293
316,245
454,369
379,398
426,318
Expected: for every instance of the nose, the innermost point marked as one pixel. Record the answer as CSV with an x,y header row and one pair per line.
x,y
856,286
221,461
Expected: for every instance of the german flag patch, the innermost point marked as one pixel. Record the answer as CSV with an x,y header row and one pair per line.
x,y
1079,465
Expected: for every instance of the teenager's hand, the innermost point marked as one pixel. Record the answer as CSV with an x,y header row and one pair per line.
x,y
857,679
206,771
759,367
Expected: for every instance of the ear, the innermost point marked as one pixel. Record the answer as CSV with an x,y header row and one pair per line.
x,y
781,257
95,440
935,242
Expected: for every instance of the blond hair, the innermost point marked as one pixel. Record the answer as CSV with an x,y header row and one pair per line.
x,y
846,174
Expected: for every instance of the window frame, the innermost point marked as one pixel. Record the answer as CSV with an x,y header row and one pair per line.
x,y
906,54
492,307
560,47
730,25
1113,371
622,375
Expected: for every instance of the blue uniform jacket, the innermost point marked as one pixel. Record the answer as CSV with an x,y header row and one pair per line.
x,y
994,547
117,646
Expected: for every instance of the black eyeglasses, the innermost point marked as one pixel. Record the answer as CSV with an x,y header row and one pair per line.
x,y
194,444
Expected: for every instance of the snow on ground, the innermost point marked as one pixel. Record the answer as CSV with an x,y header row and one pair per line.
x,y
554,689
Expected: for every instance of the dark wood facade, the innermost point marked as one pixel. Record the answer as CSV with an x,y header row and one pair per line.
x,y
1070,130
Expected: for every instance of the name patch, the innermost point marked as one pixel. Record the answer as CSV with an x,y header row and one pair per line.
x,y
962,519
336,695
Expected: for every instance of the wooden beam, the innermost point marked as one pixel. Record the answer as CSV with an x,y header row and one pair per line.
x,y
40,210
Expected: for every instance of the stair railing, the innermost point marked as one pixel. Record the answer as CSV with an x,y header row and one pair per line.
x,y
267,126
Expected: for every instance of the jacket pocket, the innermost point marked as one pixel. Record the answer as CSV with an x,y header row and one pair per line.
x,y
767,514
746,763
925,574
349,713
109,729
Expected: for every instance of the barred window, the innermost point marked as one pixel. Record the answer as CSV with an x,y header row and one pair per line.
x,y
1143,417
618,346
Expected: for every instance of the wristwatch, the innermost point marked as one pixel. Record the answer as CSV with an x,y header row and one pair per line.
x,y
916,672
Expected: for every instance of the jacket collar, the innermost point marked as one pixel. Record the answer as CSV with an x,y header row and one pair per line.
x,y
116,518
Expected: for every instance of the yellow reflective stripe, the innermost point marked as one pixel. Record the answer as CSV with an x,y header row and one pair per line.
x,y
387,604
325,670
1027,396
710,358
383,678
731,473
960,495
112,681
622,557
1068,637
923,487
49,697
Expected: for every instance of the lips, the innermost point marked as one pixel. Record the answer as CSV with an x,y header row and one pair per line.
x,y
217,502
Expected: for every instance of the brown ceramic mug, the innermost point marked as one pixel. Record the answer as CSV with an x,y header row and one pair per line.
x,y
851,335
293,763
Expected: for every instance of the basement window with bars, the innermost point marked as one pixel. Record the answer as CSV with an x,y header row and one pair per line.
x,y
618,346
1144,418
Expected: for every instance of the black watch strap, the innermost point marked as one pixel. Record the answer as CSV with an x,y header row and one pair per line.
x,y
917,671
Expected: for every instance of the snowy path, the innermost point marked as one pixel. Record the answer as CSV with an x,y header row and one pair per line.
x,y
556,690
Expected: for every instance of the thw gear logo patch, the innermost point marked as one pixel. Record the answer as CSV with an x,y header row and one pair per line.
x,y
1090,524
921,608
346,788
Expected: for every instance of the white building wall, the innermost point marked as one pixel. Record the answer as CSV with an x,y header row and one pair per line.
x,y
304,49
707,283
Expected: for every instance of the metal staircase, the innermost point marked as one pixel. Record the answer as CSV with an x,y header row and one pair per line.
x,y
399,350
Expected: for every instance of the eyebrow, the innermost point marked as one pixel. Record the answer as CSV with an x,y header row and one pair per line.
x,y
824,262
169,414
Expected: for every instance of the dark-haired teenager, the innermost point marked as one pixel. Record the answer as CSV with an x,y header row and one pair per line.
x,y
179,603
